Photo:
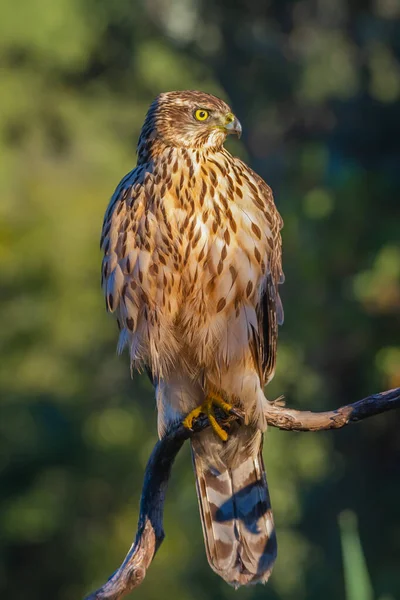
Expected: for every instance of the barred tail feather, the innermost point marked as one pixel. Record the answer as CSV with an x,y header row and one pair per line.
x,y
237,520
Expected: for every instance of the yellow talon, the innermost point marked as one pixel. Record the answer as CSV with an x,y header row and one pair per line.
x,y
194,414
221,433
219,401
207,408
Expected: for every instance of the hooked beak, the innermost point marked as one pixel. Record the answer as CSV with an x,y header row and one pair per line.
x,y
232,125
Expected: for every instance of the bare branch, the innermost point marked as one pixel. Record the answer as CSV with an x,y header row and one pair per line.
x,y
150,532
303,420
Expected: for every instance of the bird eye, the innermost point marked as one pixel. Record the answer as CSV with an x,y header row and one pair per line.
x,y
201,114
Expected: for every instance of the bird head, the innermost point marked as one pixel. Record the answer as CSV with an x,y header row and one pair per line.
x,y
188,119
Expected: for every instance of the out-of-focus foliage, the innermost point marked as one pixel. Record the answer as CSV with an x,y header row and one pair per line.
x,y
357,581
316,85
356,576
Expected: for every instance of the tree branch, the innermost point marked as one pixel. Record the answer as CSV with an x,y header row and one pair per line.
x,y
303,420
150,532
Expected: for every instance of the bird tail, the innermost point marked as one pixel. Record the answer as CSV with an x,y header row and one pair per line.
x,y
237,519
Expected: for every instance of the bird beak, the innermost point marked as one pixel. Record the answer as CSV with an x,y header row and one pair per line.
x,y
232,125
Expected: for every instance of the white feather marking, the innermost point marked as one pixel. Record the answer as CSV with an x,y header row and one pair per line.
x,y
114,286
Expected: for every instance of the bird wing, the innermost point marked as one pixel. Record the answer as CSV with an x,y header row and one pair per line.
x,y
138,241
269,309
124,252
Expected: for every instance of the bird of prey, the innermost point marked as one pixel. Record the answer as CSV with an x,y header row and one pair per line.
x,y
191,268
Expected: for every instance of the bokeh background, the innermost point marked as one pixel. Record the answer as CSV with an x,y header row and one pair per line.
x,y
316,84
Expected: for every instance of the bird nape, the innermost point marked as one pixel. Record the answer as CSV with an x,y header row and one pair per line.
x,y
191,268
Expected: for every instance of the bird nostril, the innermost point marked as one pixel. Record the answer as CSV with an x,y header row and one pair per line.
x,y
229,118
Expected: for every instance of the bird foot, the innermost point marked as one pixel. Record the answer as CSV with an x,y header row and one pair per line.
x,y
212,401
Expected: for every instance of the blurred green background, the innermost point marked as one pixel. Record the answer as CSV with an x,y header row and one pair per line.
x,y
316,85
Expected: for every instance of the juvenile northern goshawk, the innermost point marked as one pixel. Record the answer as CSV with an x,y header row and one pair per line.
x,y
192,264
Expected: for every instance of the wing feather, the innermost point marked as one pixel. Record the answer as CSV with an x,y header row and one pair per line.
x,y
269,308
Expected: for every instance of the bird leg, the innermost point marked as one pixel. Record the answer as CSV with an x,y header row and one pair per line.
x,y
208,408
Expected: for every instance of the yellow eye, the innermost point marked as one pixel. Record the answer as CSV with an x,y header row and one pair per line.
x,y
201,114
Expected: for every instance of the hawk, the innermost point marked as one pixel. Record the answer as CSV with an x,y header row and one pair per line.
x,y
191,268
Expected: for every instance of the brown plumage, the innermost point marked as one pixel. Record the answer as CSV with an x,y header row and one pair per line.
x,y
191,269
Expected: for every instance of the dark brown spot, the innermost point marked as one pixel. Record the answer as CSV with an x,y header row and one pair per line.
x,y
203,193
154,269
257,202
187,253
196,238
234,273
252,187
223,201
219,167
221,304
249,288
191,230
257,254
213,177
130,323
256,230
